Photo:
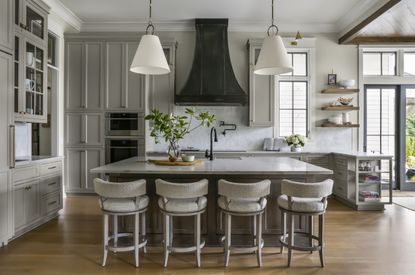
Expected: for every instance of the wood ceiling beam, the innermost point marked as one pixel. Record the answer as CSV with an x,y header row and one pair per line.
x,y
381,40
351,35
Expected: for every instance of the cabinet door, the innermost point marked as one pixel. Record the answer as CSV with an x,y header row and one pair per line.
x,y
261,105
93,76
35,20
6,89
32,207
135,82
6,25
74,71
19,207
5,207
162,86
83,129
78,164
115,93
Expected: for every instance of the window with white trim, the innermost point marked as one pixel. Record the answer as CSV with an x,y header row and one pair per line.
x,y
379,63
293,97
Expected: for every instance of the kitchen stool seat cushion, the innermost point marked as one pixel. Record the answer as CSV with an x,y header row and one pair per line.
x,y
304,205
241,205
125,204
183,205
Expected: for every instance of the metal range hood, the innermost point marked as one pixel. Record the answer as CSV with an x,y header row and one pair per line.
x,y
212,81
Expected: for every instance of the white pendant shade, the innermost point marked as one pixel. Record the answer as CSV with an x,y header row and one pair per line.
x,y
149,57
273,58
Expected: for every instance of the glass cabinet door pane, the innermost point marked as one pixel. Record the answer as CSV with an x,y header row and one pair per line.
x,y
34,22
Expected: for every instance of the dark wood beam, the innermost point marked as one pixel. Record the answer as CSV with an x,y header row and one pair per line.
x,y
350,35
381,40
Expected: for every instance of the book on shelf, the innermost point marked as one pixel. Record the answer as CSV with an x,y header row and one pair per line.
x,y
369,196
364,199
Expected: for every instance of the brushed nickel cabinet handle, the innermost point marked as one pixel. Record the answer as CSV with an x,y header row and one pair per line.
x,y
53,167
52,183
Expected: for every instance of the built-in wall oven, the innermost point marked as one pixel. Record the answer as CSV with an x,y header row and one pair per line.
x,y
124,124
117,149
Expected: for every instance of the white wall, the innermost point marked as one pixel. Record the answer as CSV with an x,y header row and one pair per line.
x,y
328,55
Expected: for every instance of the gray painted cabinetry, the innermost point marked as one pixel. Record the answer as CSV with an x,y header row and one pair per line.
x,y
6,25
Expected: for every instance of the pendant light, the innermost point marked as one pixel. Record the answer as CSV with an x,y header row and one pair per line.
x,y
149,58
273,58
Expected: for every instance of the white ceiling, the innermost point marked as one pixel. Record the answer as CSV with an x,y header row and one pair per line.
x,y
318,14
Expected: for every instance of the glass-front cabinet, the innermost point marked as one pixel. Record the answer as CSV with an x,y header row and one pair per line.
x,y
30,62
31,18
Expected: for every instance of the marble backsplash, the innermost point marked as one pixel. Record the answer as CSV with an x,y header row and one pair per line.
x,y
252,138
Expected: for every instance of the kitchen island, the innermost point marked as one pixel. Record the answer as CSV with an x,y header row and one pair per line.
x,y
239,169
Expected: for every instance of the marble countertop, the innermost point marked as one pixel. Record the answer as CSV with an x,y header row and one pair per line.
x,y
33,160
231,165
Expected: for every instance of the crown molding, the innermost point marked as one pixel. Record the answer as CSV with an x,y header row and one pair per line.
x,y
188,25
62,15
357,14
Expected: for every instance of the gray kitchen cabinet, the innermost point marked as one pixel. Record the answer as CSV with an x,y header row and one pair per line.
x,y
84,76
161,87
26,204
6,206
78,162
50,195
6,25
261,92
84,129
124,90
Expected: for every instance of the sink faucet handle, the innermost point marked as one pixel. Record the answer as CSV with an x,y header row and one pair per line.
x,y
206,153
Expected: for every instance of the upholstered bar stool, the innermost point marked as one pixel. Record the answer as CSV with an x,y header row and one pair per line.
x,y
303,199
243,199
181,199
123,199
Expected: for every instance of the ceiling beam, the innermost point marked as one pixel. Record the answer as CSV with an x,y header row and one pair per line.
x,y
382,39
351,35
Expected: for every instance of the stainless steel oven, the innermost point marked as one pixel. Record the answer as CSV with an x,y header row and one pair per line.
x,y
124,124
117,149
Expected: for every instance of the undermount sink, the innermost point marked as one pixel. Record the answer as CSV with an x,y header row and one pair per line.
x,y
228,157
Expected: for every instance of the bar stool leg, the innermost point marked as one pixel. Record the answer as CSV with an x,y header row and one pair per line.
x,y
259,240
166,239
171,233
143,230
310,231
254,221
115,220
284,228
136,238
105,243
321,238
228,225
197,239
290,236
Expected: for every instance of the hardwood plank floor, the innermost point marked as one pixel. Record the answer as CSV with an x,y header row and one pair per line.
x,y
356,243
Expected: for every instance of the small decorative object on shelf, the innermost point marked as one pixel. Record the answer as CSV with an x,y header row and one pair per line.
x,y
332,79
345,101
173,128
296,142
345,84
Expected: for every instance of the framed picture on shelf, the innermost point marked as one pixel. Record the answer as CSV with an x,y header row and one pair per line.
x,y
332,79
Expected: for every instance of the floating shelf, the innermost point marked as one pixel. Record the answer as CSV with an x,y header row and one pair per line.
x,y
340,108
339,91
340,125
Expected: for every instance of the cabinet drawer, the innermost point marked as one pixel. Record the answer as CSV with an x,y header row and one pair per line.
x,y
50,185
50,168
51,203
340,190
23,174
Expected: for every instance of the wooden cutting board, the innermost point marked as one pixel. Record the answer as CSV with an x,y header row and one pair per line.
x,y
176,163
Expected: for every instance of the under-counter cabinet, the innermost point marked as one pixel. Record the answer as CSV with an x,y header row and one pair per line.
x,y
78,162
6,25
37,194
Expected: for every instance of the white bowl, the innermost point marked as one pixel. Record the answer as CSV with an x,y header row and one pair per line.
x,y
347,83
188,158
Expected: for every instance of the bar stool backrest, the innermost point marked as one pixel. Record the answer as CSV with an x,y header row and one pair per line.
x,y
120,190
307,190
244,190
172,190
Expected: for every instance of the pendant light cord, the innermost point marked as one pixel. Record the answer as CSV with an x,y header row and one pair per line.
x,y
272,20
150,23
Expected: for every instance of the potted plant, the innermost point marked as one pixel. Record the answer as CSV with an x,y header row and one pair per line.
x,y
296,142
172,128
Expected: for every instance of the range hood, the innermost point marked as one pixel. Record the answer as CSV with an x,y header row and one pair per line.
x,y
211,81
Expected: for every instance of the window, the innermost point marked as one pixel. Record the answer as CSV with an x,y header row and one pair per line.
x,y
293,97
379,63
409,63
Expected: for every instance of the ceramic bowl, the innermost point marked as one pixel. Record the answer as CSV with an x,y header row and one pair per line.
x,y
348,83
188,158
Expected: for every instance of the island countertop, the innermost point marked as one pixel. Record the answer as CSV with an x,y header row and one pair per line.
x,y
231,165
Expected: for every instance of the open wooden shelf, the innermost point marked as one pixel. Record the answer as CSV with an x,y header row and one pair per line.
x,y
340,108
339,91
327,124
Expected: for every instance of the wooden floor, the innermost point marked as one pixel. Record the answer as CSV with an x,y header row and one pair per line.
x,y
356,243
